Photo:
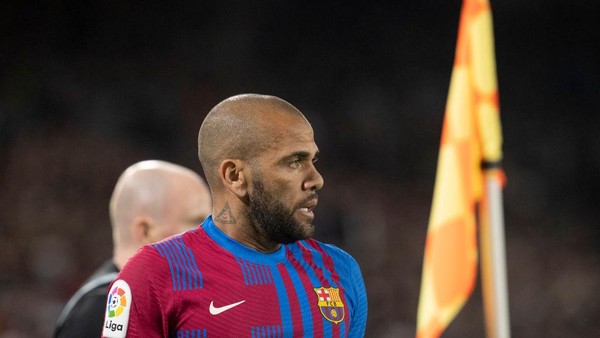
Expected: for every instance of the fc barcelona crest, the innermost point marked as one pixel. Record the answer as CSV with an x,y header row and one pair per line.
x,y
330,304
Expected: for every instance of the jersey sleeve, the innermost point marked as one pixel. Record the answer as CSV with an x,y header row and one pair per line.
x,y
356,293
134,307
359,310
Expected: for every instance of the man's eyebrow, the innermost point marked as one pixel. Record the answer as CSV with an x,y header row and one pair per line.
x,y
300,154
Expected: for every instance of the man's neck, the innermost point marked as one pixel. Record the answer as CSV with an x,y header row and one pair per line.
x,y
246,234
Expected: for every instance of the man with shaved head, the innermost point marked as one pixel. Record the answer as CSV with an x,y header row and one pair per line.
x,y
252,269
152,200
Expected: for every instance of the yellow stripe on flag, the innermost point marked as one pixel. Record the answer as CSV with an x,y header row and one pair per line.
x,y
471,134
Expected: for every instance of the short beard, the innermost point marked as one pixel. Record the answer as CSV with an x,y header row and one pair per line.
x,y
273,220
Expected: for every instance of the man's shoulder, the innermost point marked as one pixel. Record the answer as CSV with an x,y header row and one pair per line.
x,y
87,303
184,237
108,267
96,285
164,247
328,249
156,258
164,265
173,244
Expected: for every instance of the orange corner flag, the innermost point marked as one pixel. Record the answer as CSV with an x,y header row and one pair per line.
x,y
471,135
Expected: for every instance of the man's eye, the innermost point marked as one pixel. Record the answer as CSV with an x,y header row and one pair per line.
x,y
295,164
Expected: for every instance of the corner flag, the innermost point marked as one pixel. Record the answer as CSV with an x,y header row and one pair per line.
x,y
471,140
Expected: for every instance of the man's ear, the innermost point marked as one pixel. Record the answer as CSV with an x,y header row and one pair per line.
x,y
141,229
234,177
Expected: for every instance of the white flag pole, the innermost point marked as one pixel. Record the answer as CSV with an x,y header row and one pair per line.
x,y
493,261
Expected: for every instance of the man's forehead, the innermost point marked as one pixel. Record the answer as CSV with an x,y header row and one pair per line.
x,y
295,148
296,136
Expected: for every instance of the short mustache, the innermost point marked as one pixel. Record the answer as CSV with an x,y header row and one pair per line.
x,y
313,197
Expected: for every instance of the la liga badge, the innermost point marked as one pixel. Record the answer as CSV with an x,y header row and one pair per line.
x,y
118,306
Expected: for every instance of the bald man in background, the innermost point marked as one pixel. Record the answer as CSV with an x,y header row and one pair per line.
x,y
152,200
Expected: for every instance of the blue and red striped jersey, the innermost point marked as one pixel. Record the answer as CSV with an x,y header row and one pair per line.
x,y
204,284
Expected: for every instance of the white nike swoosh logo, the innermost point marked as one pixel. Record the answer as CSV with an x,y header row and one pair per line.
x,y
216,310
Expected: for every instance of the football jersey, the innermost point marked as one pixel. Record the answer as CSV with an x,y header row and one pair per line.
x,y
202,284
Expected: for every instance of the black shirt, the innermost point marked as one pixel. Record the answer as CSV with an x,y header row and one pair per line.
x,y
83,316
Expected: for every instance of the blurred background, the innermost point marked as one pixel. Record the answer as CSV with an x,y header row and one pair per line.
x,y
89,87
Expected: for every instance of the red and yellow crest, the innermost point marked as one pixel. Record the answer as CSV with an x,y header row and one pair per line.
x,y
330,304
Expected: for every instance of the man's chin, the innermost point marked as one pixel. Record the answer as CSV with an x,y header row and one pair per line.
x,y
304,229
308,229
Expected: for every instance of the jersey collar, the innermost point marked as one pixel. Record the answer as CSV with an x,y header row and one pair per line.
x,y
240,250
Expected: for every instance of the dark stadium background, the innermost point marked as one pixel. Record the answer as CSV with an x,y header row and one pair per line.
x,y
90,87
